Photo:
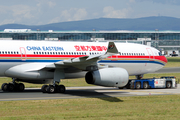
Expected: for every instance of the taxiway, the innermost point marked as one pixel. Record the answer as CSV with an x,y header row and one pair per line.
x,y
83,92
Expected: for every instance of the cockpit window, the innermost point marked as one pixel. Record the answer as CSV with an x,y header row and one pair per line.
x,y
160,54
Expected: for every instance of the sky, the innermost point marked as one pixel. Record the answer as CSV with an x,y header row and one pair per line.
x,y
41,12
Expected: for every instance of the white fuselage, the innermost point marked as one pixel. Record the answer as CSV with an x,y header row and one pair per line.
x,y
136,59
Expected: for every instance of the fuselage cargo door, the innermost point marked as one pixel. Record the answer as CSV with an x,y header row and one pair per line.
x,y
23,53
150,52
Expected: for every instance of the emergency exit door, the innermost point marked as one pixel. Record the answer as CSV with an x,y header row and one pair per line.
x,y
150,52
23,53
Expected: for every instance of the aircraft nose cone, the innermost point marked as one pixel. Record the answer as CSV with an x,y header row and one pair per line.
x,y
165,60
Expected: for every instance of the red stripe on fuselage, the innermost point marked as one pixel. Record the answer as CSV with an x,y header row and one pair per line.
x,y
160,58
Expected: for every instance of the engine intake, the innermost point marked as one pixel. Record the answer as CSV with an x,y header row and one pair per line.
x,y
109,77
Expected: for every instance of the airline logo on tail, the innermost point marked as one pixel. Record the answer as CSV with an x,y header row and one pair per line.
x,y
111,47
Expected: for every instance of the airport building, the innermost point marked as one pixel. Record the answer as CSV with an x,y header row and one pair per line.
x,y
164,40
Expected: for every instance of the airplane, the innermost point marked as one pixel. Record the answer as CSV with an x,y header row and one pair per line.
x,y
101,63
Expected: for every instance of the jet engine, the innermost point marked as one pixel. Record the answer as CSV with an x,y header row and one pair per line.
x,y
109,77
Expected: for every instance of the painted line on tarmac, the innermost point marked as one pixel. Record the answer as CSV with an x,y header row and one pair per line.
x,y
40,98
145,91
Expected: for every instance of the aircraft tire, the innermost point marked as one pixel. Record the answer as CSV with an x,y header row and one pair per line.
x,y
61,89
11,87
51,89
4,87
44,88
20,87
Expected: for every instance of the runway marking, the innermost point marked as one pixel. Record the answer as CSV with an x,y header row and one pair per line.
x,y
40,98
148,92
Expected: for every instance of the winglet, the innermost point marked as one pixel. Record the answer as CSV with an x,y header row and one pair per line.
x,y
112,48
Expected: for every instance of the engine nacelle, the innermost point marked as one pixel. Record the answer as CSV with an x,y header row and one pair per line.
x,y
109,77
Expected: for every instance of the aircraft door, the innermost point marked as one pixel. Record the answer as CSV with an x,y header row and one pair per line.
x,y
150,52
23,53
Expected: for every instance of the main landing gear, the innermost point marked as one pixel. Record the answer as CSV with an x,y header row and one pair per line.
x,y
53,88
13,87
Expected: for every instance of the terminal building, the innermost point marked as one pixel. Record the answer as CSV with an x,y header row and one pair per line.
x,y
162,40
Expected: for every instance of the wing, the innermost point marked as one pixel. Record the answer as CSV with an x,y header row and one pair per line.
x,y
87,62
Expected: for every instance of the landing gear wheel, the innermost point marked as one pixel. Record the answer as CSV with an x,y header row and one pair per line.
x,y
4,87
11,87
51,89
61,89
168,84
138,85
145,85
44,88
20,87
139,77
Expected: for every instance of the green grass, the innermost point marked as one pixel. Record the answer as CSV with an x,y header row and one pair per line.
x,y
161,107
173,62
